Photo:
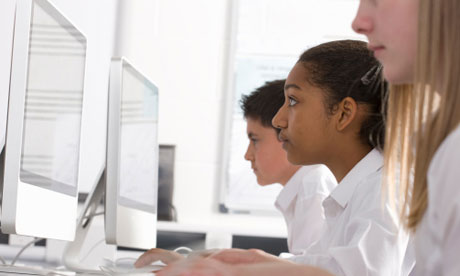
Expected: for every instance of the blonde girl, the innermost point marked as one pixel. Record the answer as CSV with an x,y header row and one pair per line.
x,y
418,43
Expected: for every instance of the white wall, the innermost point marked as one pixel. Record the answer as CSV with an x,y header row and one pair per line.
x,y
181,45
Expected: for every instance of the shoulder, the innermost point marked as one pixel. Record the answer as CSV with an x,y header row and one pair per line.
x,y
447,153
370,206
444,167
368,192
444,172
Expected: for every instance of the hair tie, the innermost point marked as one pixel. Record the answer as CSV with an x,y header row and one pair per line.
x,y
372,74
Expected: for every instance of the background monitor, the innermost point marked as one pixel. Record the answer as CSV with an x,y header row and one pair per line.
x,y
166,209
132,158
42,146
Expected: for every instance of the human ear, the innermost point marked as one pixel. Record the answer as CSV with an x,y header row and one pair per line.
x,y
346,113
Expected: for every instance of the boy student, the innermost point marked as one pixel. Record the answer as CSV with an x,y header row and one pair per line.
x,y
304,187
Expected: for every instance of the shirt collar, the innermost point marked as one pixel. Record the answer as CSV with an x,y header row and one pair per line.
x,y
371,163
291,189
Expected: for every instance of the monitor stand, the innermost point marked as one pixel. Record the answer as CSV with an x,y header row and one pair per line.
x,y
72,257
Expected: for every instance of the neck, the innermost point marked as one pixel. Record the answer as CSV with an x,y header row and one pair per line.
x,y
345,158
290,173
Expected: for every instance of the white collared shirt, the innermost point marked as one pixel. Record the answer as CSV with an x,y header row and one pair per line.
x,y
300,202
437,239
361,235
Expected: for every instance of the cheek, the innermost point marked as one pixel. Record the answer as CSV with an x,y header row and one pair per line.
x,y
268,159
400,34
302,129
294,126
311,140
399,68
272,162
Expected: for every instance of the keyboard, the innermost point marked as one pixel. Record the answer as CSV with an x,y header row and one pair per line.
x,y
128,268
29,270
19,270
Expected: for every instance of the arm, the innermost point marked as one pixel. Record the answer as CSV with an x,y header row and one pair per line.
x,y
450,243
212,267
242,256
308,223
442,217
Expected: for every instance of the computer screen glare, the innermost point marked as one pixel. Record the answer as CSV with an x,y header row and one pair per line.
x,y
138,145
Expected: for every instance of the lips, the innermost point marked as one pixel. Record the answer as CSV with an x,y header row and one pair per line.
x,y
282,138
377,49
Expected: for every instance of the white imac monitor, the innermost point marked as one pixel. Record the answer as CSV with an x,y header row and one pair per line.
x,y
129,182
42,146
132,158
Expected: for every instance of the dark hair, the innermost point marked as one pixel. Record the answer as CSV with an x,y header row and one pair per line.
x,y
263,103
347,68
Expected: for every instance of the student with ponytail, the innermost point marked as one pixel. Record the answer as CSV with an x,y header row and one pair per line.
x,y
418,43
334,115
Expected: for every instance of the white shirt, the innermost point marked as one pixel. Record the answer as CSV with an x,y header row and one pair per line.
x,y
437,239
362,235
300,202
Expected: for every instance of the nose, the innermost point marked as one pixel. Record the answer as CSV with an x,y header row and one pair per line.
x,y
248,155
279,121
362,23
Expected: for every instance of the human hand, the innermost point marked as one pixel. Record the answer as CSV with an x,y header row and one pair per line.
x,y
197,266
242,256
157,254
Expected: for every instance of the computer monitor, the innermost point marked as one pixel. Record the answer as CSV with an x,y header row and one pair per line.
x,y
166,209
42,145
130,179
132,158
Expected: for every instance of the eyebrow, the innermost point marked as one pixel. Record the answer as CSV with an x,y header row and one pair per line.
x,y
251,135
291,85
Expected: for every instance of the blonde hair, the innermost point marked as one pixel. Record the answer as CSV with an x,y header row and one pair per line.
x,y
420,116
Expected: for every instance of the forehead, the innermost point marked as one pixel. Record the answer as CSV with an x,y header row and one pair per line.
x,y
255,126
298,75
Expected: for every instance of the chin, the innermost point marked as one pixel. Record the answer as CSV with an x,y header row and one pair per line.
x,y
264,182
397,77
294,160
302,161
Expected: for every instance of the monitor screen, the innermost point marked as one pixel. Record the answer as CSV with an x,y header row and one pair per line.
x,y
53,103
166,210
138,142
42,146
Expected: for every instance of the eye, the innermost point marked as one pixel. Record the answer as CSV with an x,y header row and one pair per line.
x,y
292,101
254,141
